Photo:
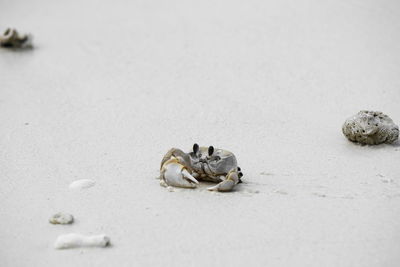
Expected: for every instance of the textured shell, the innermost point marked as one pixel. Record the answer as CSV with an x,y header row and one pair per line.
x,y
371,128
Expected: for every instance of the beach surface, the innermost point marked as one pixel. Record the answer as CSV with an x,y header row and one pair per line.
x,y
110,86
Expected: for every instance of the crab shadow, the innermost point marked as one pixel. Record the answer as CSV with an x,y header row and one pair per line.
x,y
241,188
17,50
395,145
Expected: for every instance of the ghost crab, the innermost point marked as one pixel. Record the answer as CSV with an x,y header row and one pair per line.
x,y
182,169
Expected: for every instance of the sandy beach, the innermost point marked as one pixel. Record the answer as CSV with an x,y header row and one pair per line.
x,y
109,87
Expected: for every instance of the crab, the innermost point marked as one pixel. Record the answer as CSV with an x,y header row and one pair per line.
x,y
180,169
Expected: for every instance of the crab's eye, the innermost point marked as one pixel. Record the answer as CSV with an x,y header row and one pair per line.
x,y
195,148
217,158
240,175
210,150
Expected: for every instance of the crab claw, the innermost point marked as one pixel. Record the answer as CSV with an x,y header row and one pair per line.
x,y
232,179
224,186
188,176
173,173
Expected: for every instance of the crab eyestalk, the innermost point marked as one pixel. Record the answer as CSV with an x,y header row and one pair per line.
x,y
210,150
195,148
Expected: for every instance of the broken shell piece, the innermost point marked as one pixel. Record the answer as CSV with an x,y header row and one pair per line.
x,y
82,184
77,240
370,128
61,218
11,38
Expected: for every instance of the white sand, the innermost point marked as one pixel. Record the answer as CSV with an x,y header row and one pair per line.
x,y
111,87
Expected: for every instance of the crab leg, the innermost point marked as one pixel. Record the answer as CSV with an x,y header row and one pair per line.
x,y
232,179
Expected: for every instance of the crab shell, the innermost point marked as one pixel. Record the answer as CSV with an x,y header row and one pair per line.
x,y
211,168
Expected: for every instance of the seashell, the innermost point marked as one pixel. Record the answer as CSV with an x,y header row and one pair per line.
x,y
370,128
11,38
77,240
82,184
61,218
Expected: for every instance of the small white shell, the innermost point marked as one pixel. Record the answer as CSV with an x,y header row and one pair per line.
x,y
82,184
61,218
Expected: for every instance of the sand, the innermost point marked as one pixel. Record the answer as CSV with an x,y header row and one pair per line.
x,y
111,86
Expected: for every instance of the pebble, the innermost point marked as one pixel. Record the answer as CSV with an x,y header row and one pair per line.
x,y
61,218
